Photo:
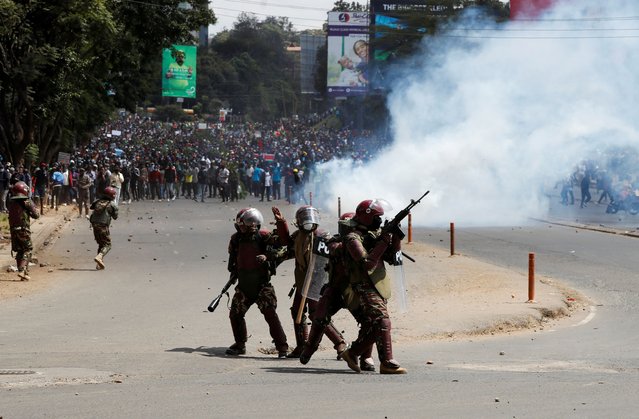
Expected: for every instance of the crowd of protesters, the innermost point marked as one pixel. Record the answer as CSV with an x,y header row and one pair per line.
x,y
615,181
144,159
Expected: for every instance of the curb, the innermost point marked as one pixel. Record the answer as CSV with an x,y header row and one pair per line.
x,y
599,229
42,231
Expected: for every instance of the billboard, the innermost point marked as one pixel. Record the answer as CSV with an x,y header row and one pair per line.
x,y
179,71
347,55
528,8
391,17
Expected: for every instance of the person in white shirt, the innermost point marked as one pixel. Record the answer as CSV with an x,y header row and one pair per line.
x,y
116,180
268,183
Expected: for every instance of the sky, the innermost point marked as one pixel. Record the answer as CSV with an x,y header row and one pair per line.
x,y
305,14
490,121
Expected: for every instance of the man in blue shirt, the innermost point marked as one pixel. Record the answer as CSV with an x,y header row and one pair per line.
x,y
277,181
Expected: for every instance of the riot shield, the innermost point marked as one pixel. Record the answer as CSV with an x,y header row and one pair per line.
x,y
319,278
399,282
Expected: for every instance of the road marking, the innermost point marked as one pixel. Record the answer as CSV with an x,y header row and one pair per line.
x,y
543,366
589,317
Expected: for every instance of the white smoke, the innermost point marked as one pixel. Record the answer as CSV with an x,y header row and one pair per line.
x,y
487,119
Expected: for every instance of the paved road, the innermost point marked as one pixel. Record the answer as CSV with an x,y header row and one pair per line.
x,y
135,340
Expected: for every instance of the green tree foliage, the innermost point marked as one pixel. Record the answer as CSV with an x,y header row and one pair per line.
x,y
249,69
65,65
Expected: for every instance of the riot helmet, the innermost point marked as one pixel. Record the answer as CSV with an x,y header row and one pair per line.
x,y
307,218
19,190
109,193
344,224
369,213
248,220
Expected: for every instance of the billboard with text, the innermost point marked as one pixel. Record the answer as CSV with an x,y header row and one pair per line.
x,y
347,54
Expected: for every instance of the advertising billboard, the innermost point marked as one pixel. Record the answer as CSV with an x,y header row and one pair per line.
x,y
347,55
393,17
179,71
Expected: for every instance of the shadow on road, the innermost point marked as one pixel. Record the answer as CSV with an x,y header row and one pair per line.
x,y
298,369
78,269
220,352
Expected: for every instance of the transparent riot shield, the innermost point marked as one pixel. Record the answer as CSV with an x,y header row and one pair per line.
x,y
319,278
399,284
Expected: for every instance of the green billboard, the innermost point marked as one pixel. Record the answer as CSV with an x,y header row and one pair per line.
x,y
179,71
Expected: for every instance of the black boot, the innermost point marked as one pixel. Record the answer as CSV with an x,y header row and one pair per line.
x,y
238,325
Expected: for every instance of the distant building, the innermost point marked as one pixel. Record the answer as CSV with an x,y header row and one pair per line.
x,y
308,62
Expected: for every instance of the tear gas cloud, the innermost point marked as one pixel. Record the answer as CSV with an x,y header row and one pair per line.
x,y
490,120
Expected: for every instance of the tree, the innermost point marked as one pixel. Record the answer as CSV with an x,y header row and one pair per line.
x,y
257,78
65,65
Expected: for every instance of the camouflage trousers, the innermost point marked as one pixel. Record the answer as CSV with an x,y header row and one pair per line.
x,y
374,323
21,245
265,299
374,307
83,201
330,303
102,237
267,303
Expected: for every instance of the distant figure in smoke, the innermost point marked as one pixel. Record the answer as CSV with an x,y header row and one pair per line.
x,y
566,191
585,189
606,186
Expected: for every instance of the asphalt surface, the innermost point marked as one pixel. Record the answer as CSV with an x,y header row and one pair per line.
x,y
135,340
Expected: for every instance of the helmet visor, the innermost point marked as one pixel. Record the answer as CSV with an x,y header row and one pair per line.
x,y
380,206
306,217
252,218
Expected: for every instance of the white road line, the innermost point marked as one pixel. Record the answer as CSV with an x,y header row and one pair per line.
x,y
589,317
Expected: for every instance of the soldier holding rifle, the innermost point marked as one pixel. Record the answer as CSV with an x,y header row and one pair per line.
x,y
368,246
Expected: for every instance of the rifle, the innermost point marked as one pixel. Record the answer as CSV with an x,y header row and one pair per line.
x,y
392,226
211,308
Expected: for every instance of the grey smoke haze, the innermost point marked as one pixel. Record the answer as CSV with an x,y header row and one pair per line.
x,y
488,120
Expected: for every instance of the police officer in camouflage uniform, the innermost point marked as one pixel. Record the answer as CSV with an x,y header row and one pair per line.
x,y
253,254
337,294
21,210
366,251
299,244
104,209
